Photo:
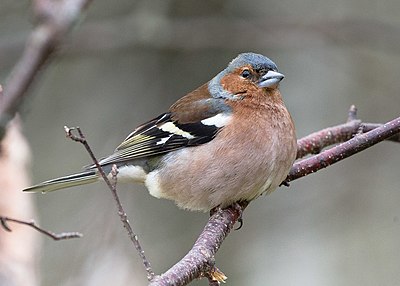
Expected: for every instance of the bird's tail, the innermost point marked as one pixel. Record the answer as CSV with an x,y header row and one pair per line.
x,y
77,179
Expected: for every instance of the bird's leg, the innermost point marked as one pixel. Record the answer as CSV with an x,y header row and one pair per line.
x,y
238,207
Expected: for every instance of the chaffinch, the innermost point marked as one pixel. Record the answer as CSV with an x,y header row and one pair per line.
x,y
232,139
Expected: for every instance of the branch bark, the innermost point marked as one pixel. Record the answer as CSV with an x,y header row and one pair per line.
x,y
331,156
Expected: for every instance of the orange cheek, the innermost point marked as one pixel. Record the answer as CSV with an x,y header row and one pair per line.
x,y
234,84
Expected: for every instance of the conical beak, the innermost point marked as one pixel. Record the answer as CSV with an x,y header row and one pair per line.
x,y
271,79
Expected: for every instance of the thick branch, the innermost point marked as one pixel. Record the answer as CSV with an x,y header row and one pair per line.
x,y
200,259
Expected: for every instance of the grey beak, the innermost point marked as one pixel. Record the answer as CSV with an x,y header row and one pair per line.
x,y
271,79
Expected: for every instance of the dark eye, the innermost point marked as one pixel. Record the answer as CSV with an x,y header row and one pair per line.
x,y
245,74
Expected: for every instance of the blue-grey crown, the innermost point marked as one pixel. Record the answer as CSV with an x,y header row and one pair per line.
x,y
257,61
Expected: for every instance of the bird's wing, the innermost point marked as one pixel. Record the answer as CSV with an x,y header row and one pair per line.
x,y
171,131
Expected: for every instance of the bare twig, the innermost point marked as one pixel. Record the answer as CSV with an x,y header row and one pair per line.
x,y
315,142
352,115
344,150
55,19
112,186
56,236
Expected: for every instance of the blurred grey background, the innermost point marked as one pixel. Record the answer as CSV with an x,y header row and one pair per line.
x,y
127,61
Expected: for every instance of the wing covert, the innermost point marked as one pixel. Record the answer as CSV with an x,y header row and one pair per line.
x,y
174,130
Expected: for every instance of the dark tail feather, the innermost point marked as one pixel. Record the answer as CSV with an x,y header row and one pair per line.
x,y
83,178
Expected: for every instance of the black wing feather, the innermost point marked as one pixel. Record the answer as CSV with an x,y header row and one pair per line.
x,y
151,139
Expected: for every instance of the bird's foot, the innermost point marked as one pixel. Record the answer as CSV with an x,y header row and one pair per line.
x,y
285,183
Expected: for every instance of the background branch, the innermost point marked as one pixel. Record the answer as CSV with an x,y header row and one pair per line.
x,y
55,18
56,236
19,251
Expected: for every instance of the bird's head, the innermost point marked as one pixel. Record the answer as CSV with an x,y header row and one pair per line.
x,y
247,74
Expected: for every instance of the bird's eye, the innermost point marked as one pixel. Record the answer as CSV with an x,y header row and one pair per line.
x,y
245,74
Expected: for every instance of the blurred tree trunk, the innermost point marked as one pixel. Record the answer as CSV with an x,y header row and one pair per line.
x,y
19,248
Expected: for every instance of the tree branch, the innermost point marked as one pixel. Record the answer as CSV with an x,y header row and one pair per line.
x,y
315,142
200,259
56,236
55,19
357,144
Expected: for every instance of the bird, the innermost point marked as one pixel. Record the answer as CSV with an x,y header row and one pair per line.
x,y
230,140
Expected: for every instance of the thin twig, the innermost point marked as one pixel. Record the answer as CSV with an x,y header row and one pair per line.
x,y
112,186
352,115
55,236
114,174
315,142
344,150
